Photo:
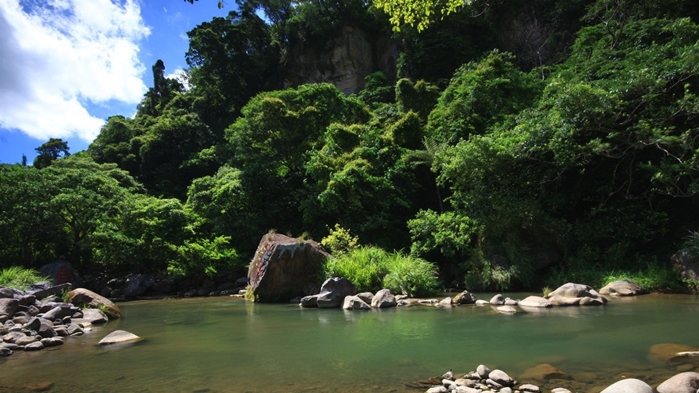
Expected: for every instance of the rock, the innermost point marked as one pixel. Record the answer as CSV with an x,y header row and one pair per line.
x,y
367,297
74,330
687,382
42,326
26,340
5,351
497,300
12,337
622,288
668,352
437,389
493,384
506,309
629,385
309,301
534,301
34,346
686,265
501,377
506,390
464,297
333,292
481,303
27,300
84,297
119,337
60,272
560,390
137,285
483,371
446,302
355,303
465,382
61,331
6,293
283,266
466,389
543,372
571,294
167,286
588,301
94,316
383,299
41,291
8,306
529,388
39,386
510,302
51,342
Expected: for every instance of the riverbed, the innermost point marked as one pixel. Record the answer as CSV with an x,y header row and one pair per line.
x,y
225,344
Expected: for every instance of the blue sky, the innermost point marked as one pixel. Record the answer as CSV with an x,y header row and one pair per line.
x,y
67,65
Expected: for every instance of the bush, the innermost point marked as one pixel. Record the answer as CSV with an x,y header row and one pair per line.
x,y
365,267
340,241
410,276
371,269
20,278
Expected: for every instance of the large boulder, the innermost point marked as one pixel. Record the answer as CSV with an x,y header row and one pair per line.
x,y
60,272
333,292
622,288
355,303
572,294
383,299
137,285
534,301
687,382
283,266
119,337
686,264
94,316
45,289
85,297
629,385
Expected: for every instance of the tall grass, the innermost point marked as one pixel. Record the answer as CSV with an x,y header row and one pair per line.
x,y
19,277
371,269
653,277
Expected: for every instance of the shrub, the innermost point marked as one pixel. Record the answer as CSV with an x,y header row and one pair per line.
x,y
19,277
365,267
340,241
410,276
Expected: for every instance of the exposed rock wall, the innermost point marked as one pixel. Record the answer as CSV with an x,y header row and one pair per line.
x,y
349,57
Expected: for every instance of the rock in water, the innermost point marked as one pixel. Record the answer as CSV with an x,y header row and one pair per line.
x,y
571,294
622,288
534,301
464,297
84,297
283,266
119,337
355,303
629,385
687,382
333,292
383,299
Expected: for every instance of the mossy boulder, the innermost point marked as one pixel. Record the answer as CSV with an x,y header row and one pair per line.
x,y
85,297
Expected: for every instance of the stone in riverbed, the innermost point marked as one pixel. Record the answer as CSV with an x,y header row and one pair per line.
x,y
464,297
497,300
383,299
483,371
34,346
687,382
94,316
629,385
501,377
506,309
481,303
51,342
571,294
367,297
8,306
466,389
333,292
309,301
355,303
527,387
622,288
534,301
4,351
119,337
668,352
12,337
26,340
444,303
543,372
84,297
437,389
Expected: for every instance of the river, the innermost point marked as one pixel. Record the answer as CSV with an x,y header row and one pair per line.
x,y
229,345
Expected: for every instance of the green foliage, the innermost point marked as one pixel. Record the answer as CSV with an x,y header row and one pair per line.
x,y
339,241
418,14
51,151
418,97
365,267
204,257
410,276
19,278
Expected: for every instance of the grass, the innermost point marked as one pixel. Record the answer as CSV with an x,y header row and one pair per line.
x,y
653,277
19,277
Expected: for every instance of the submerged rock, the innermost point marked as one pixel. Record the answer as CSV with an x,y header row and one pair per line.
x,y
542,372
119,337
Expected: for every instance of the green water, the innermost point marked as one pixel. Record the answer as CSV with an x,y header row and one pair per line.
x,y
230,345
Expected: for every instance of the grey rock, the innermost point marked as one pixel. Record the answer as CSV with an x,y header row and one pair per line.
x,y
511,302
119,337
497,300
4,351
687,382
45,291
466,389
481,303
94,316
622,288
506,390
493,384
61,331
106,291
464,297
6,293
446,302
560,390
506,309
34,346
137,285
629,385
60,272
74,330
383,299
25,340
333,292
12,337
354,303
501,377
27,300
483,371
53,313
42,326
51,342
83,297
367,297
529,388
534,301
309,301
465,382
8,306
437,389
571,294
686,264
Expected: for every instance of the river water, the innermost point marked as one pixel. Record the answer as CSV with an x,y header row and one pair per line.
x,y
229,345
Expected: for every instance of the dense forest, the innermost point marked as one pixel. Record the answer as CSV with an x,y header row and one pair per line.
x,y
512,144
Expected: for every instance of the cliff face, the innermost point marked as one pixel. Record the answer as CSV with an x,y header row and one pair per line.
x,y
348,58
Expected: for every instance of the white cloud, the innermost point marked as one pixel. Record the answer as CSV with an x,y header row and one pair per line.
x,y
181,76
59,56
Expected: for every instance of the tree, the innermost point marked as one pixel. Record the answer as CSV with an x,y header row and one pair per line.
x,y
50,152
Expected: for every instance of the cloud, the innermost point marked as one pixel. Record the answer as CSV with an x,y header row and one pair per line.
x,y
181,76
58,57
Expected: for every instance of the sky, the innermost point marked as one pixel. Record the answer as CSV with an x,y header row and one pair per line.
x,y
67,65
